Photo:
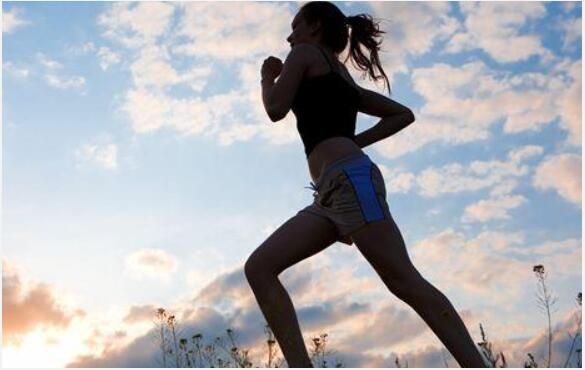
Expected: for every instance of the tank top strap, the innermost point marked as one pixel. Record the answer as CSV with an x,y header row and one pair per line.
x,y
326,58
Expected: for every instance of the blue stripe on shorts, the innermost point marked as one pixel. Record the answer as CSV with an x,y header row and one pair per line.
x,y
361,179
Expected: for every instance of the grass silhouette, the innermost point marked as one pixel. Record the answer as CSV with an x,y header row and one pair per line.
x,y
224,351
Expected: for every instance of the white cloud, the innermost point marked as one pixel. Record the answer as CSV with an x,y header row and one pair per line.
x,y
496,241
454,177
404,38
239,132
150,111
396,180
74,82
433,212
572,30
135,24
492,209
12,20
504,187
107,57
16,71
155,263
81,49
463,103
569,5
569,102
495,28
482,264
499,175
48,62
57,81
230,31
554,247
524,152
561,173
105,156
152,69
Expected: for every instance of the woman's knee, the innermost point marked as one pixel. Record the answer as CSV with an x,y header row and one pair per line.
x,y
257,270
404,284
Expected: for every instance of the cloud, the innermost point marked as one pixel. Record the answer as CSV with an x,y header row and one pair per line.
x,y
561,173
74,82
525,152
463,103
14,70
106,156
491,261
27,306
234,115
153,69
500,175
569,101
136,24
12,20
388,326
496,241
495,28
568,6
492,209
153,263
553,247
107,57
404,38
140,313
229,32
54,80
572,31
81,49
48,62
397,181
228,302
517,349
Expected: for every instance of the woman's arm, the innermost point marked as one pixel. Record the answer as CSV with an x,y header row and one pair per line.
x,y
386,127
395,116
278,96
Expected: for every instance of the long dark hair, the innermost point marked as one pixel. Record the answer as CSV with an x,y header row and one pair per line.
x,y
335,34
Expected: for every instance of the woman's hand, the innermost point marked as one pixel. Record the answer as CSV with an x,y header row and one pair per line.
x,y
271,68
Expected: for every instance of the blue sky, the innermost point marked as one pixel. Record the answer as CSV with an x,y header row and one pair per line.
x,y
141,170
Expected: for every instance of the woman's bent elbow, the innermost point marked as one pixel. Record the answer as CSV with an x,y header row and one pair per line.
x,y
275,116
412,118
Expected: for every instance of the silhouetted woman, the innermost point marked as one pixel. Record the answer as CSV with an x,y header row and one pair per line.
x,y
350,197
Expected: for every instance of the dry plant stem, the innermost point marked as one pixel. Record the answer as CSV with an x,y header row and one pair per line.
x,y
278,309
438,312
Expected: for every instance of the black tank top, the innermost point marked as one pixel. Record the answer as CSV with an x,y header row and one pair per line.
x,y
325,106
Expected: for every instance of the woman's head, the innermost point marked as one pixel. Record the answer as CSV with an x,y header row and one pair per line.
x,y
322,22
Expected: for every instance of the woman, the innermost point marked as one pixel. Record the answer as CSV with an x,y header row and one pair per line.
x,y
350,199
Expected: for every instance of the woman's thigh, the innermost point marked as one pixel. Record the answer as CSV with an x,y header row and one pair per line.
x,y
382,245
300,237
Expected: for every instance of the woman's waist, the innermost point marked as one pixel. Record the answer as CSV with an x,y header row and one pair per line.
x,y
328,152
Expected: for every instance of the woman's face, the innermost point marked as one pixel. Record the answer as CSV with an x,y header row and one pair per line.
x,y
302,32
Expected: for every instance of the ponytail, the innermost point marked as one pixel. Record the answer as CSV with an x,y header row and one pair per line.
x,y
335,34
364,31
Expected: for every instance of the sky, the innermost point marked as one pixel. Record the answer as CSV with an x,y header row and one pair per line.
x,y
140,171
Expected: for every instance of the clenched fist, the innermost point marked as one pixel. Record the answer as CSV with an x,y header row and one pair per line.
x,y
271,68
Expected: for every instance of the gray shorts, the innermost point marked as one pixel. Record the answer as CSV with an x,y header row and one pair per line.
x,y
351,194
